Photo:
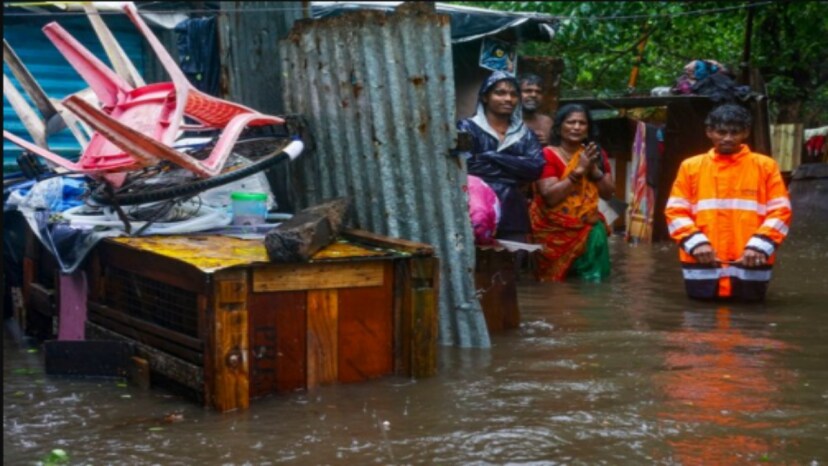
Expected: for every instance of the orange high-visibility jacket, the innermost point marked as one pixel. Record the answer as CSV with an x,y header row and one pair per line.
x,y
732,202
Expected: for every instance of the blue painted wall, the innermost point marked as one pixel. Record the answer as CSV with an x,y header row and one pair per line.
x,y
57,78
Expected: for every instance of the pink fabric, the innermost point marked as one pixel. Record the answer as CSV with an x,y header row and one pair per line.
x,y
484,210
72,314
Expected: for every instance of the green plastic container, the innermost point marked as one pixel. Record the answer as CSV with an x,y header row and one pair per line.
x,y
249,208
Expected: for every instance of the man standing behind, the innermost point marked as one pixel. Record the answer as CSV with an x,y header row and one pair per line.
x,y
504,153
729,211
531,91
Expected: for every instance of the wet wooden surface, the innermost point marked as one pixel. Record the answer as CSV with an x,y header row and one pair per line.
x,y
209,253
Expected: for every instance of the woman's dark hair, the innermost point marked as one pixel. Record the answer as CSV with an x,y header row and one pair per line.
x,y
563,114
729,115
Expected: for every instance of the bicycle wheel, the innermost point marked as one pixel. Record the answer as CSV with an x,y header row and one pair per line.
x,y
142,190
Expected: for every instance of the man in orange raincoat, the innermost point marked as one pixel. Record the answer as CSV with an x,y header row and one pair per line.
x,y
729,211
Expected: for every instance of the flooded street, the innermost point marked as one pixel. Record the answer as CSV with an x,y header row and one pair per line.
x,y
625,372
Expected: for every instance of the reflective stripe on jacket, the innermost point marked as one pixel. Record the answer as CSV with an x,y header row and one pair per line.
x,y
731,202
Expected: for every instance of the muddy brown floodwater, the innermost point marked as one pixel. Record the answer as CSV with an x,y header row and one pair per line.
x,y
624,372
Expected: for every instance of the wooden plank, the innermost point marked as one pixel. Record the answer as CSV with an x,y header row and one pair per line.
x,y
148,327
425,270
402,318
29,268
95,277
230,375
366,330
140,373
294,277
424,341
291,341
154,266
277,342
262,347
322,339
171,367
41,299
496,283
411,247
155,341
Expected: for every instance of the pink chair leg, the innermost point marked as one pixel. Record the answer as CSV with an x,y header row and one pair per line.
x,y
106,84
46,154
130,141
217,158
180,81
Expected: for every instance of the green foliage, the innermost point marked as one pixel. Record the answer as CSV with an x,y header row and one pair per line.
x,y
598,42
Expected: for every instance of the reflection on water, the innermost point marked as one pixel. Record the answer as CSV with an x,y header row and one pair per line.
x,y
624,372
725,379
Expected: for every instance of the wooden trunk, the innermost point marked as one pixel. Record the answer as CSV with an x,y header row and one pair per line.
x,y
211,314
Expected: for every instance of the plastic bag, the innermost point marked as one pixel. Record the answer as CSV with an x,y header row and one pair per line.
x,y
484,210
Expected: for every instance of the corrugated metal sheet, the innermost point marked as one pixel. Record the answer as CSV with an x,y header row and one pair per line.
x,y
53,72
378,90
249,34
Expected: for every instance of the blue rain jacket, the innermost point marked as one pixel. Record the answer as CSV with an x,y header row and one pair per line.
x,y
506,165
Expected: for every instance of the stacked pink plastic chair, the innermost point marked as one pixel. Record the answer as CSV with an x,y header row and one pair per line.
x,y
136,127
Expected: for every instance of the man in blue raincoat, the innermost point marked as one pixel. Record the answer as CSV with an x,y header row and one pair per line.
x,y
505,153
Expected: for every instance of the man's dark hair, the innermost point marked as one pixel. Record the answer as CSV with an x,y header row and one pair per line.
x,y
563,113
729,115
530,78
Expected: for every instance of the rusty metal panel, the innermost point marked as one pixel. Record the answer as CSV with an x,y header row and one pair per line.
x,y
378,91
249,34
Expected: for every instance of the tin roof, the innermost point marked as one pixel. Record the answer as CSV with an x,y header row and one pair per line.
x,y
467,23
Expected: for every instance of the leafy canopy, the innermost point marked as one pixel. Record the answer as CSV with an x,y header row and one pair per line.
x,y
599,44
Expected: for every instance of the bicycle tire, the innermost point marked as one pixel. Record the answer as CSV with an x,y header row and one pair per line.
x,y
190,189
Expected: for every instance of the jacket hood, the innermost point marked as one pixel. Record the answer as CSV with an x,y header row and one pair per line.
x,y
495,78
516,126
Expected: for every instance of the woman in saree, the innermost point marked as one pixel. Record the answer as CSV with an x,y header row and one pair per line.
x,y
564,209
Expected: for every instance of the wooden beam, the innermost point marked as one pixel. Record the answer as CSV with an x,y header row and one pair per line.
x,y
322,339
148,327
317,276
424,333
171,367
162,344
425,274
298,239
366,331
42,299
230,365
139,373
151,265
412,247
403,322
